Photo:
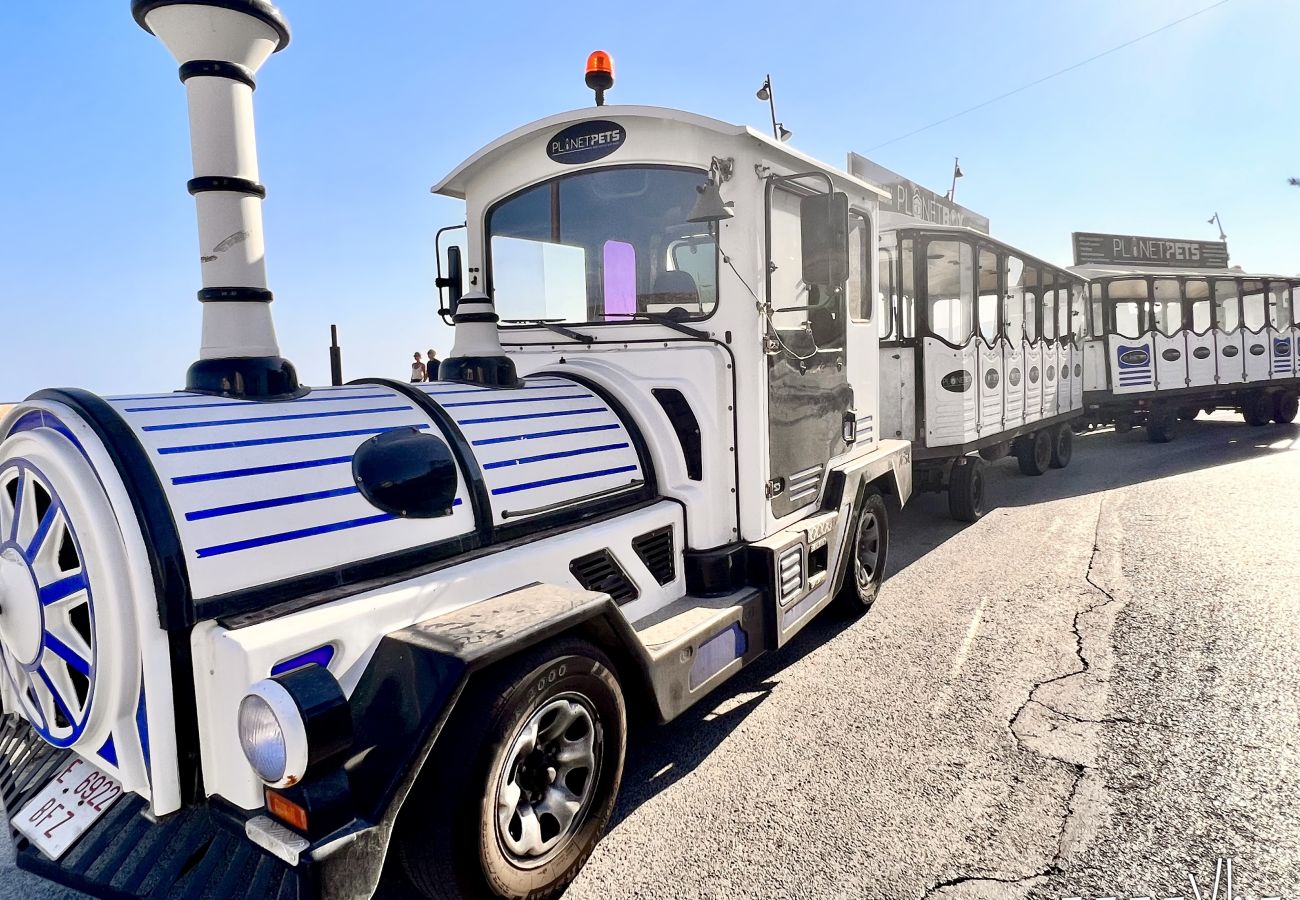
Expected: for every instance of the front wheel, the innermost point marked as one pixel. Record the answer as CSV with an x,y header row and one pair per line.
x,y
522,783
966,490
867,552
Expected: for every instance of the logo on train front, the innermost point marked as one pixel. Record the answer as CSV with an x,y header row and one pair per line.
x,y
1201,353
991,378
1256,349
957,381
1230,350
1014,378
1172,355
586,142
1134,356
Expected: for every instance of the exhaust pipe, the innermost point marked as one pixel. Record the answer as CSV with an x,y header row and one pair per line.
x,y
220,45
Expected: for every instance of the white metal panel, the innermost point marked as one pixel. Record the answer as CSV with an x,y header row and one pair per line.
x,y
1232,366
1094,366
1013,365
950,401
1255,347
990,384
1170,358
898,392
1076,376
1282,348
1132,361
1051,369
1033,371
1201,363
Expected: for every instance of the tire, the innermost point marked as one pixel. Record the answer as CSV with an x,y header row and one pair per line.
x,y
1035,452
1188,414
450,838
1123,426
1080,427
1162,432
1285,407
1062,447
966,490
867,556
1257,410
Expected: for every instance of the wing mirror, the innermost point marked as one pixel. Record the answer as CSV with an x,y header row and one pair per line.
x,y
824,221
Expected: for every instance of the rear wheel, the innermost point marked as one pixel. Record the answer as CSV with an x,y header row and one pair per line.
x,y
966,489
1188,413
522,783
868,552
1257,410
1285,407
1034,452
996,451
1162,427
1062,447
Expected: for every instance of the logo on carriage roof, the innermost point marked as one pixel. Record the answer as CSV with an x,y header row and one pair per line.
x,y
1201,353
1230,350
957,381
1014,377
991,378
586,142
1033,374
1172,355
1132,357
1256,349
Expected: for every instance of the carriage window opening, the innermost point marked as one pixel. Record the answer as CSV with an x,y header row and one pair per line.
x,y
859,283
887,290
989,294
1226,312
1167,306
1014,303
1062,310
907,290
1200,316
1128,318
950,290
1196,305
1252,305
1096,323
1279,304
1079,312
1047,303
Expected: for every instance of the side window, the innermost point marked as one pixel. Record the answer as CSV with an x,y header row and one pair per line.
x,y
1096,321
989,294
1128,319
1196,303
907,290
1047,302
1014,301
887,288
1252,305
1079,312
1167,306
790,297
1062,309
950,290
1279,304
1226,314
859,284
1033,286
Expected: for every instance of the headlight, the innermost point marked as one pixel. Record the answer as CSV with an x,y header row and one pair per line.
x,y
272,734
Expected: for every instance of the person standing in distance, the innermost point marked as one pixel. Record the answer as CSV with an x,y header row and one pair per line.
x,y
418,371
431,367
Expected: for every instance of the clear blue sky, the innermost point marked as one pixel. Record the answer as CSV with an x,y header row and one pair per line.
x,y
373,102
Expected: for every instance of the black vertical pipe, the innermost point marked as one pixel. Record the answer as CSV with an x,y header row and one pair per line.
x,y
336,358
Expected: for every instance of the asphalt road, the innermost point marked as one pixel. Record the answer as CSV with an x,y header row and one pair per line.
x,y
1092,692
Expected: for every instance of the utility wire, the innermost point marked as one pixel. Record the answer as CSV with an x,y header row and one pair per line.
x,y
1025,87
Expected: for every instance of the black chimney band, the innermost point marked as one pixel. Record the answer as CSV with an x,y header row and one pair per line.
x,y
208,183
245,378
216,68
235,295
258,9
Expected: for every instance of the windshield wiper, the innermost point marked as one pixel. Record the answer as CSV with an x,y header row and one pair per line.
x,y
666,321
550,325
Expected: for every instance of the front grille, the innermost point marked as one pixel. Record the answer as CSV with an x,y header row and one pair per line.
x,y
655,549
599,571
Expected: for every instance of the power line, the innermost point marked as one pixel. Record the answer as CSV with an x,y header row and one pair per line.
x,y
1038,81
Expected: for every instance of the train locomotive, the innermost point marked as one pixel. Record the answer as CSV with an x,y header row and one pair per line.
x,y
261,639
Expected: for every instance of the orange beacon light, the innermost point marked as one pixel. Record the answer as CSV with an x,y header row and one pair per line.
x,y
600,74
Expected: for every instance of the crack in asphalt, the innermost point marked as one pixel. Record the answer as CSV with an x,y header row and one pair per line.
x,y
1078,770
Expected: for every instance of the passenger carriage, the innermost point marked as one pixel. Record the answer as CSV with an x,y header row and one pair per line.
x,y
1178,332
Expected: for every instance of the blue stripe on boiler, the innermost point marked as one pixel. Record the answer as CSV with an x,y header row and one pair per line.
x,y
252,403
253,505
261,470
545,415
562,479
282,537
517,400
287,439
524,460
253,421
542,434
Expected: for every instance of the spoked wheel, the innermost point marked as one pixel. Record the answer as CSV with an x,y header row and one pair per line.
x,y
966,489
868,551
1034,452
1062,447
523,782
1285,407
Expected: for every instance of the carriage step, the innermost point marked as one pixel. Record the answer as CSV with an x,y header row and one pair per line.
x,y
690,618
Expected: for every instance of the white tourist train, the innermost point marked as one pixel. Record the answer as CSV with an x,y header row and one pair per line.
x,y
1176,331
265,640
981,344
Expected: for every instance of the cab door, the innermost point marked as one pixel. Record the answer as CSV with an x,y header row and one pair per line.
x,y
808,390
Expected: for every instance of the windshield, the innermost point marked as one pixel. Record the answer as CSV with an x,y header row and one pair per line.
x,y
601,245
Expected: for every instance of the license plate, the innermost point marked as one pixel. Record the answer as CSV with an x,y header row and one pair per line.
x,y
68,805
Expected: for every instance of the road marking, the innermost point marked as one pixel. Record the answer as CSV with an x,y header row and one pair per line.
x,y
964,650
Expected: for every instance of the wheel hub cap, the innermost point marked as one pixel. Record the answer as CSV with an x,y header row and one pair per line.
x,y
21,620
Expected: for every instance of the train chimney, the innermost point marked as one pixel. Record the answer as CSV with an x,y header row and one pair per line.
x,y
220,45
476,356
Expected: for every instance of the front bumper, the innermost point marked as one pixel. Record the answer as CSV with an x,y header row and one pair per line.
x,y
195,853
